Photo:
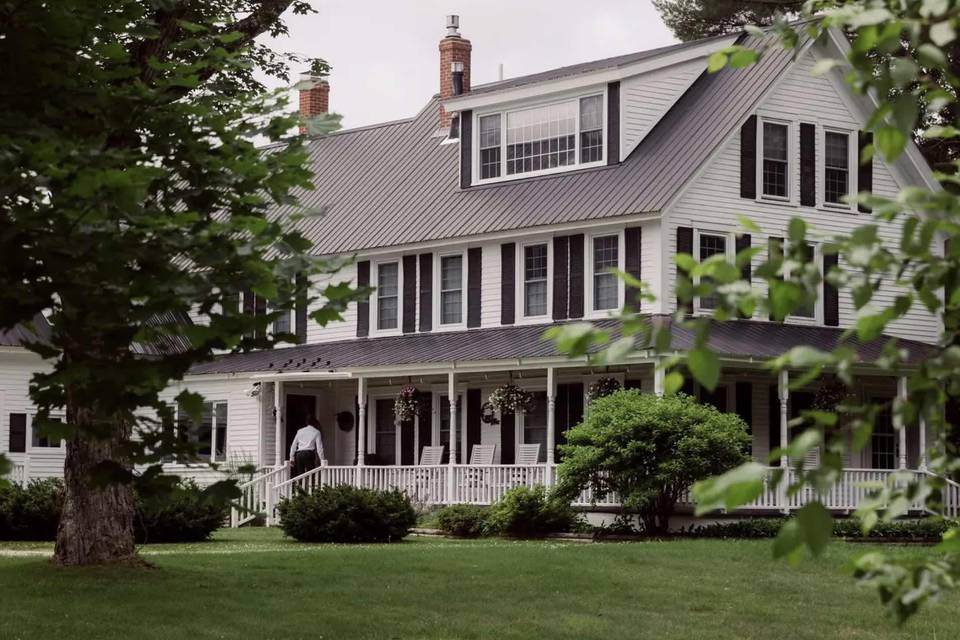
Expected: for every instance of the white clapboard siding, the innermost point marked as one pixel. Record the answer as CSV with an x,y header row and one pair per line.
x,y
338,330
712,201
490,286
17,366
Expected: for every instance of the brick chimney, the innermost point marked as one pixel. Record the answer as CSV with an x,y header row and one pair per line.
x,y
314,97
454,66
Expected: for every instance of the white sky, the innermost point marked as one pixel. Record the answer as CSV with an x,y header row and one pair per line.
x,y
384,53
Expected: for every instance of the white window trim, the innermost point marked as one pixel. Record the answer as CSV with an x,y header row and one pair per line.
x,y
817,319
503,110
375,307
521,317
621,266
792,129
438,298
853,162
731,257
30,448
213,430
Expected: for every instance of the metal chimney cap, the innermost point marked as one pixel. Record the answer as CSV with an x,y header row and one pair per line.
x,y
453,26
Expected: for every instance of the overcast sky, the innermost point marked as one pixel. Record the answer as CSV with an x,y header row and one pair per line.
x,y
384,53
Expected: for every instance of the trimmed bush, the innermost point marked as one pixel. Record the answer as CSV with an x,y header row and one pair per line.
x,y
747,528
926,529
526,512
463,520
31,512
184,515
347,514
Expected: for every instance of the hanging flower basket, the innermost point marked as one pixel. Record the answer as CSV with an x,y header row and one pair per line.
x,y
406,404
510,398
488,414
830,394
602,387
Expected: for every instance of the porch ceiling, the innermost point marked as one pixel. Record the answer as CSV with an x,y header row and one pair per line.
x,y
741,339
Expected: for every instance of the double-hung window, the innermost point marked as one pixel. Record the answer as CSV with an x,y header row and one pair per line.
x,y
710,244
388,295
775,168
836,169
535,283
883,441
606,285
209,436
385,436
808,254
490,147
591,129
451,289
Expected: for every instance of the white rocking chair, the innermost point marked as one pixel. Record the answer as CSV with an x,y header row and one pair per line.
x,y
430,456
483,453
528,455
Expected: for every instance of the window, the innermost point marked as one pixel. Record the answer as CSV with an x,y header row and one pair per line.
x,y
283,323
535,423
775,160
388,295
38,439
386,432
710,244
883,442
451,289
444,420
209,437
808,255
535,280
490,147
542,138
836,171
606,285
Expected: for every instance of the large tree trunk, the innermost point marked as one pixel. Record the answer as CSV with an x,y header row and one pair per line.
x,y
96,525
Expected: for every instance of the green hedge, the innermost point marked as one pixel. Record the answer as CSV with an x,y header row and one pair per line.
x,y
463,520
31,512
347,514
525,512
926,529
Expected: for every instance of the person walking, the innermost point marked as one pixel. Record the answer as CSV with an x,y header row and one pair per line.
x,y
306,450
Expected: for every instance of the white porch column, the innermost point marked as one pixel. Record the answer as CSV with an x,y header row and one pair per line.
x,y
551,422
923,443
361,422
899,425
452,459
278,422
783,394
658,378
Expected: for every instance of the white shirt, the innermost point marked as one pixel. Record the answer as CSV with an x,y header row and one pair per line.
x,y
307,438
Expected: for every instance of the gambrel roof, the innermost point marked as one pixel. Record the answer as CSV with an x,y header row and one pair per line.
x,y
398,183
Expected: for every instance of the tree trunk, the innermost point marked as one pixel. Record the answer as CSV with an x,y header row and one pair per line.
x,y
96,524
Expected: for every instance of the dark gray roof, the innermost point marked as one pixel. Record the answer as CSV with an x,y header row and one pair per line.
x,y
734,339
398,183
589,67
168,342
38,330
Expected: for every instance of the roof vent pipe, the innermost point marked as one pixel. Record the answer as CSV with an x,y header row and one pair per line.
x,y
453,26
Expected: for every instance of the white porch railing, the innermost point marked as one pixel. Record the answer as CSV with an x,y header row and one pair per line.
x,y
254,494
20,474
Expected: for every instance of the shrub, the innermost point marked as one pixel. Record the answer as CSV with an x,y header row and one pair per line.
x,y
31,512
744,528
463,520
186,514
526,512
347,514
926,529
650,450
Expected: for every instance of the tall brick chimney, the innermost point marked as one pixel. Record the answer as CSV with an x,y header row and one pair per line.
x,y
454,66
314,97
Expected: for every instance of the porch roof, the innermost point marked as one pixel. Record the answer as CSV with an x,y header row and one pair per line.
x,y
741,339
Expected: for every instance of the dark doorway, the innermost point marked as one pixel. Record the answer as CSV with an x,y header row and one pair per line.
x,y
299,408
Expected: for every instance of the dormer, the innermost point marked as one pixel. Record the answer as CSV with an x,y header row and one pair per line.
x,y
570,119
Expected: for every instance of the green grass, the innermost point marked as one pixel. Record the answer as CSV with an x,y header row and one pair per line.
x,y
254,584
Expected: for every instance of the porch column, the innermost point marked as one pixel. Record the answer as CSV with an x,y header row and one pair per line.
x,y
783,393
452,459
278,422
361,422
899,425
923,443
551,423
658,378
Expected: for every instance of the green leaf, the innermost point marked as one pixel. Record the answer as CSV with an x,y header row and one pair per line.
x,y
717,61
942,33
730,490
788,542
705,367
743,57
816,526
890,141
672,383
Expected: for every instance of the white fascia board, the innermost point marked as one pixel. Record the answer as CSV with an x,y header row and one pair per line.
x,y
581,80
303,376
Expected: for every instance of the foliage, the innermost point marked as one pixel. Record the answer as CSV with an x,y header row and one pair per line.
x,y
695,19
923,530
831,394
347,514
407,403
528,512
31,512
649,450
463,520
603,387
184,514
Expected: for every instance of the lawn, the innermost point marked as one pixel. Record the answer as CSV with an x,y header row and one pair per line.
x,y
254,584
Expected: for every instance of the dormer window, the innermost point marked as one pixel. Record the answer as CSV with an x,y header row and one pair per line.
x,y
775,168
546,138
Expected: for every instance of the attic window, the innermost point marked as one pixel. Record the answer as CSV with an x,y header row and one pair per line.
x,y
543,139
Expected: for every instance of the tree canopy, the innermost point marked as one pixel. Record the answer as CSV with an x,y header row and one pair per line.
x,y
695,19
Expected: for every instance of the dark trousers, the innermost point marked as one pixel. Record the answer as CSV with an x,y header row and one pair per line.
x,y
303,461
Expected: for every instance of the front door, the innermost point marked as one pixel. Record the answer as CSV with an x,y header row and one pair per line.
x,y
299,408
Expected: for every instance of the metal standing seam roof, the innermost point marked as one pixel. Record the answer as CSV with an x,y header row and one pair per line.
x,y
398,183
38,330
734,339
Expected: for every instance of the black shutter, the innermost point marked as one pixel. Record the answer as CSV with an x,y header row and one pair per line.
x,y
613,122
18,433
569,409
575,299
409,293
474,407
632,240
426,291
507,438
407,450
831,297
774,250
717,399
865,171
744,393
466,148
561,283
773,421
684,245
743,242
474,278
633,383
426,425
808,164
300,310
689,386
363,306
259,310
508,286
748,158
